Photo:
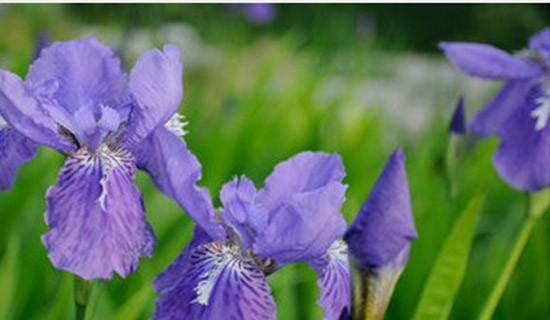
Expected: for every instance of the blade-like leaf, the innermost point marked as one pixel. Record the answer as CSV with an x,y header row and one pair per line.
x,y
8,278
136,305
447,273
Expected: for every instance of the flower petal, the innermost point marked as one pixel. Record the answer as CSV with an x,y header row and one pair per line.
x,y
25,114
96,216
15,150
172,274
511,96
334,280
488,62
541,40
87,74
384,225
240,210
303,172
458,121
221,282
156,85
175,172
523,157
305,227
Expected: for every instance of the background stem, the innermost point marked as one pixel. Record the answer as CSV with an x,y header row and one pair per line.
x,y
82,289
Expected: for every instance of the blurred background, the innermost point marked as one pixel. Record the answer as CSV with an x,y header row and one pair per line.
x,y
264,82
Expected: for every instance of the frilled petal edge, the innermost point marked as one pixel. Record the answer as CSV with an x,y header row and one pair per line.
x,y
15,150
96,216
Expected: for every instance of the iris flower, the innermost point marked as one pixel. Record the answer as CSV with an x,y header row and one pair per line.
x,y
520,112
379,240
295,217
77,100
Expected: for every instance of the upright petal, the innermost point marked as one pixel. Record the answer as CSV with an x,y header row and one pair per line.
x,y
221,282
303,172
384,226
488,62
87,74
156,85
333,279
176,172
241,211
523,157
15,150
541,40
511,96
305,227
25,114
96,216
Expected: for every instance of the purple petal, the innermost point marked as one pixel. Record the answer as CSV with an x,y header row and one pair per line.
x,y
523,157
458,121
488,62
173,273
511,96
15,150
305,227
540,40
221,282
25,114
96,216
156,85
303,172
260,13
384,226
240,210
86,74
176,172
334,280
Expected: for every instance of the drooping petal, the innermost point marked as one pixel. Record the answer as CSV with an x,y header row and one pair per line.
x,y
176,269
25,114
96,216
87,74
384,226
221,282
15,150
303,172
541,40
523,157
458,121
488,62
511,96
240,210
176,172
333,279
156,85
305,227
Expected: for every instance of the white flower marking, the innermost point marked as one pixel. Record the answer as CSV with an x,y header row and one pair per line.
x,y
3,123
176,124
542,112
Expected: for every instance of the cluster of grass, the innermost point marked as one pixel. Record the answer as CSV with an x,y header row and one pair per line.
x,y
248,110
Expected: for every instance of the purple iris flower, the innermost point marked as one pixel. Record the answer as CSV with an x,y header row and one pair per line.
x,y
295,217
519,113
76,99
260,13
379,239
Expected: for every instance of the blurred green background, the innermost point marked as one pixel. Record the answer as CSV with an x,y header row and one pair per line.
x,y
355,79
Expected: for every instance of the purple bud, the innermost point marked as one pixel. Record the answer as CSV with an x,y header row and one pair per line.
x,y
260,13
42,41
458,121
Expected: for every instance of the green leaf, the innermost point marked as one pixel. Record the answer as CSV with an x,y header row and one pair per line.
x,y
447,273
8,278
136,305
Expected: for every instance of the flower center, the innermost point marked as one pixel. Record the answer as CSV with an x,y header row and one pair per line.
x,y
542,112
176,124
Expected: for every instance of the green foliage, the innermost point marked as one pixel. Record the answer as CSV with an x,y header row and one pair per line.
x,y
449,268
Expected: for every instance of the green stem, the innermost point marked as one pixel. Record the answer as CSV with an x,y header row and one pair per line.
x,y
535,213
82,289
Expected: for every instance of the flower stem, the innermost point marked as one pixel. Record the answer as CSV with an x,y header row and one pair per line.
x,y
538,204
82,289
